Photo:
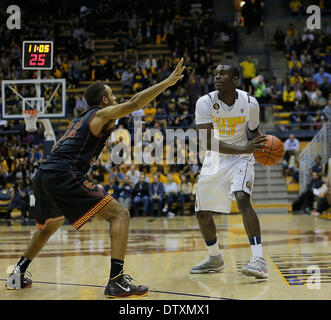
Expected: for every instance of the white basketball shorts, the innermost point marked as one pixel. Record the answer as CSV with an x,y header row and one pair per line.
x,y
220,176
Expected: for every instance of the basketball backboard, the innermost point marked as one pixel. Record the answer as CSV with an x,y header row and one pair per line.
x,y
48,96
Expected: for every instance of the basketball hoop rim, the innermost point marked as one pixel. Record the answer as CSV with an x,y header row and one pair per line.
x,y
32,113
30,119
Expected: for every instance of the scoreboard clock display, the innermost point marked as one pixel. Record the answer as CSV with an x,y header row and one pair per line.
x,y
37,55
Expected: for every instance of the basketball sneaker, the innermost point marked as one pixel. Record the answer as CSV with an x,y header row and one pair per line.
x,y
256,267
121,286
210,264
16,280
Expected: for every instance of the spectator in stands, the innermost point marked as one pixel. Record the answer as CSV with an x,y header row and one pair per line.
x,y
3,175
150,111
127,80
34,156
81,105
117,175
305,57
293,172
327,57
18,199
316,58
138,80
323,196
156,192
291,147
317,100
307,39
141,195
327,110
289,99
185,193
89,47
318,77
318,167
105,69
295,7
151,64
294,65
97,172
261,95
193,89
171,193
296,80
274,91
112,187
292,30
120,66
291,37
325,87
249,72
93,68
133,174
76,71
308,196
125,193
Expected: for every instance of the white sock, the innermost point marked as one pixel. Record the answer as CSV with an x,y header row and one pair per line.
x,y
257,250
214,249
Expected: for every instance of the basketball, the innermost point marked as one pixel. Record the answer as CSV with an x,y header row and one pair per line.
x,y
273,153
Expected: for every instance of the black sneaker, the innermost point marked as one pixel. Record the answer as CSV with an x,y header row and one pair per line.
x,y
122,286
16,280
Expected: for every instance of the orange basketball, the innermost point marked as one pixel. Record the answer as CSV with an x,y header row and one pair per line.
x,y
273,153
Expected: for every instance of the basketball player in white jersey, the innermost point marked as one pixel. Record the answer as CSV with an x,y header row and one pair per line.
x,y
224,118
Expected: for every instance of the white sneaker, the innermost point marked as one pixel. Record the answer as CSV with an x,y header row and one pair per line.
x,y
210,264
16,280
257,268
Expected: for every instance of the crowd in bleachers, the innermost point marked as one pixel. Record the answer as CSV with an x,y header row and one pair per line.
x,y
306,91
20,155
186,29
315,199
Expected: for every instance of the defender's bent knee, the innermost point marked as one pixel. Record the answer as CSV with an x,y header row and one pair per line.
x,y
113,211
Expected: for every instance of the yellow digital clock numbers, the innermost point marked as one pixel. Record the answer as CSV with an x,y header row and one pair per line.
x,y
37,55
42,48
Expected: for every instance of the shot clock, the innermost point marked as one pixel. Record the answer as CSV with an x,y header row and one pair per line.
x,y
37,55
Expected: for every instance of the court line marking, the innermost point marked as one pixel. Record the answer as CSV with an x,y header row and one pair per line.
x,y
156,291
275,266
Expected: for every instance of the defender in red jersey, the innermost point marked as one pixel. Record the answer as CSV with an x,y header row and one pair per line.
x,y
62,191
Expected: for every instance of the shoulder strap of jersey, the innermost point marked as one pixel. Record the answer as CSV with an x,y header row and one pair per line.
x,y
248,98
210,97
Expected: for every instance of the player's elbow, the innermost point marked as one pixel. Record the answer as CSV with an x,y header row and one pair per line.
x,y
135,104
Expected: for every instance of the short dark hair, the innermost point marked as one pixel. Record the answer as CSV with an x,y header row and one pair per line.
x,y
94,93
234,70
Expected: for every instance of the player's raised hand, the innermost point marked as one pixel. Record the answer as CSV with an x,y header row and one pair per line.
x,y
256,145
177,73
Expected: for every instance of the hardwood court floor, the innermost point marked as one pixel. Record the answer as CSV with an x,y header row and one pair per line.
x,y
74,265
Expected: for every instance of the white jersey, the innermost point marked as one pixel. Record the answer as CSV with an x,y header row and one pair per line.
x,y
226,173
229,121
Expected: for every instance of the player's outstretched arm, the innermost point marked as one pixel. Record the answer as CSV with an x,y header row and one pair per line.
x,y
206,133
142,98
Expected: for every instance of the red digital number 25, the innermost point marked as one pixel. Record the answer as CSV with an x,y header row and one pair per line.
x,y
39,57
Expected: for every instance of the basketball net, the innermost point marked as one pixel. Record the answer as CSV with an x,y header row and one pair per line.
x,y
30,118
